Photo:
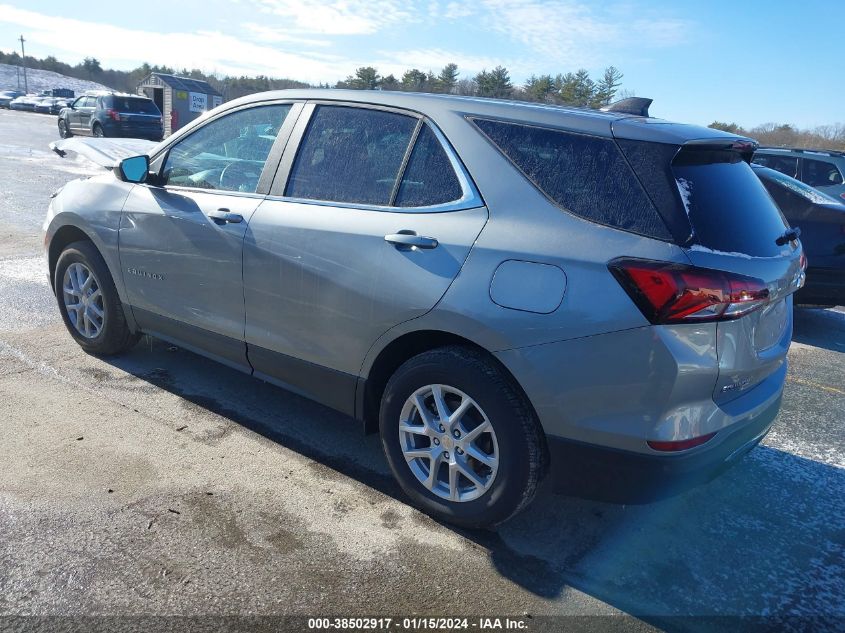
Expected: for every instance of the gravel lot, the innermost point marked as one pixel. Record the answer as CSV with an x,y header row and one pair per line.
x,y
161,483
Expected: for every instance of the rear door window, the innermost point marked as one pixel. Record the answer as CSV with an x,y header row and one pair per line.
x,y
351,155
585,175
821,173
429,178
729,208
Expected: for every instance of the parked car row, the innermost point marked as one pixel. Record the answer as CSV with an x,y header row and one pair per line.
x,y
32,103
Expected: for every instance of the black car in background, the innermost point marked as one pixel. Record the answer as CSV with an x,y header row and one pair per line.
x,y
51,105
113,115
821,219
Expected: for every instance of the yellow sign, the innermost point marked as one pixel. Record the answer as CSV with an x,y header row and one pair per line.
x,y
181,94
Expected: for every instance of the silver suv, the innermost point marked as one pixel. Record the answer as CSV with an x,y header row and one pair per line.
x,y
497,288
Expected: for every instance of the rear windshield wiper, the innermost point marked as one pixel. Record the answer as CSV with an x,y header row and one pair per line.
x,y
791,234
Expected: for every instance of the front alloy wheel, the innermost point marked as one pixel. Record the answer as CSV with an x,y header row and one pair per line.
x,y
88,301
83,300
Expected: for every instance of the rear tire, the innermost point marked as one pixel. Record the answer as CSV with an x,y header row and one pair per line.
x,y
98,131
89,303
64,130
500,466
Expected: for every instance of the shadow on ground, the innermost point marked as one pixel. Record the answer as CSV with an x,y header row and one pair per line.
x,y
820,327
767,537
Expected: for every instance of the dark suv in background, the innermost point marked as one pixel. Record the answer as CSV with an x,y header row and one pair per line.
x,y
821,169
112,114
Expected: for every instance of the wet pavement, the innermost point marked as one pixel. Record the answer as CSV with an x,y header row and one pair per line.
x,y
161,483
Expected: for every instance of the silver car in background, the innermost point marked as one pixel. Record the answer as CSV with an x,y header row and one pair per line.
x,y
500,289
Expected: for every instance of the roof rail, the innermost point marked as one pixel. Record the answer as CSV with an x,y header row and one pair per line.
x,y
802,150
632,105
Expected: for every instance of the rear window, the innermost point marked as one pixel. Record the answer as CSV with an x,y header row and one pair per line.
x,y
785,164
728,207
585,175
132,104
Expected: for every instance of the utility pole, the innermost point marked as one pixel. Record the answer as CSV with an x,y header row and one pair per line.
x,y
23,57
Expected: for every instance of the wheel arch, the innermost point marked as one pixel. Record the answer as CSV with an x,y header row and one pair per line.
x,y
64,235
370,388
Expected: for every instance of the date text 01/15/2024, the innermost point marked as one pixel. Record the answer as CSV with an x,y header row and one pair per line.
x,y
418,623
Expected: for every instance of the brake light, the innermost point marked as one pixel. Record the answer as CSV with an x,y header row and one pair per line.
x,y
113,114
803,259
681,445
677,293
842,195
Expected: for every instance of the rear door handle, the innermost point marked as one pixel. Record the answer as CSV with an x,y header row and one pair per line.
x,y
224,216
404,240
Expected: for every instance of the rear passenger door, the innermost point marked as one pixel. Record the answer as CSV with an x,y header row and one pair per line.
x,y
370,218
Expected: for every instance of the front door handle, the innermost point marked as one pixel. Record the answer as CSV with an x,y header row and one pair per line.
x,y
224,216
405,240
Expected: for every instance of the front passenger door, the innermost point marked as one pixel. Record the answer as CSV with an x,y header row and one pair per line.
x,y
181,241
84,114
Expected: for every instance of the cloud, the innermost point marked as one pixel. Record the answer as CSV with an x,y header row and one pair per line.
x,y
434,59
344,17
568,33
208,50
324,41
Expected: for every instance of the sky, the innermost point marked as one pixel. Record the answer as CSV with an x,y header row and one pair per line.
x,y
748,62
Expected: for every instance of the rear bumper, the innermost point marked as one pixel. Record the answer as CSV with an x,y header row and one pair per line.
x,y
607,474
824,286
125,130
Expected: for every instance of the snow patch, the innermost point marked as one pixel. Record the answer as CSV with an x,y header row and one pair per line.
x,y
685,189
38,80
703,249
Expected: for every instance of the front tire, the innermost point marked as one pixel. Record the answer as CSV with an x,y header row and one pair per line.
x,y
64,130
89,303
461,438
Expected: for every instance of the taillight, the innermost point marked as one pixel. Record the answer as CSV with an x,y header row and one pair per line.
x,y
113,114
681,445
803,259
842,195
677,293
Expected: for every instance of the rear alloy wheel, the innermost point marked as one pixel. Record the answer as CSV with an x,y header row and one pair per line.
x,y
448,442
98,130
89,303
461,438
64,132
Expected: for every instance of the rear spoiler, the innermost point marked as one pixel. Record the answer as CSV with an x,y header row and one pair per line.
x,y
745,147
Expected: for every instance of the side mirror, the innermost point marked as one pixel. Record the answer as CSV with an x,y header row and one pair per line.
x,y
133,169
